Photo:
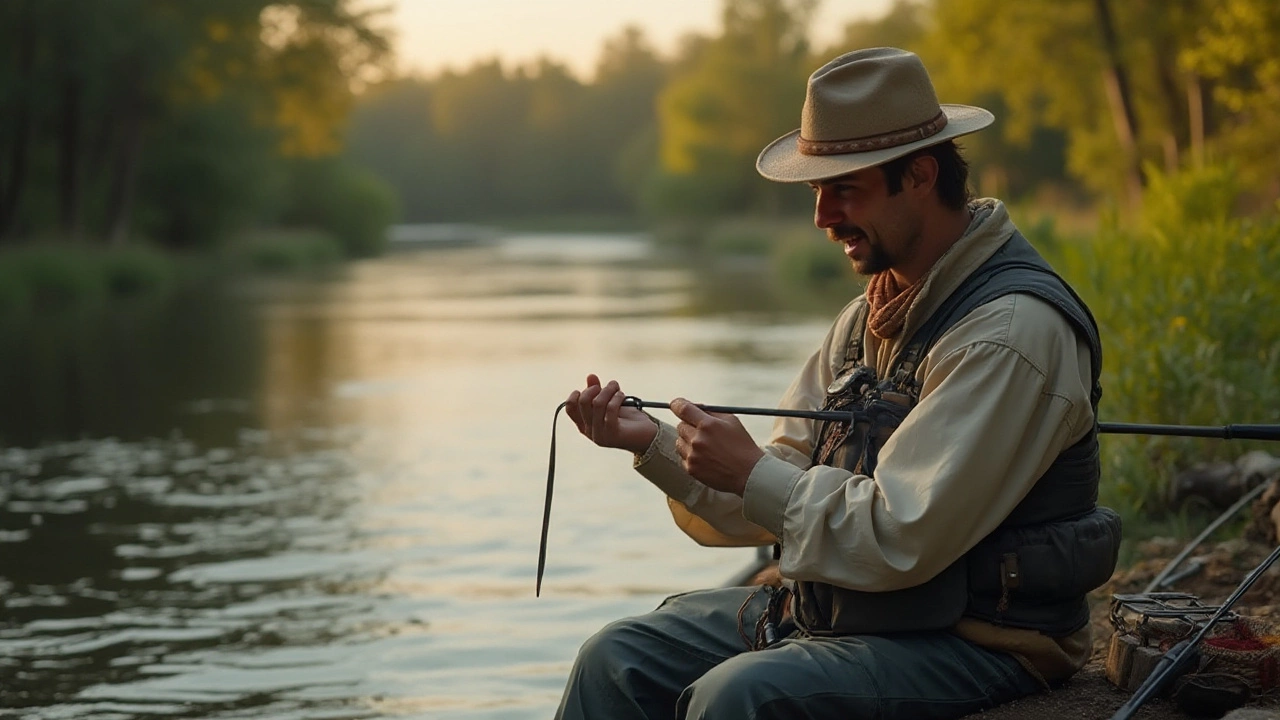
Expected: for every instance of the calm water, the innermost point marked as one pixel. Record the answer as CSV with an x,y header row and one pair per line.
x,y
321,499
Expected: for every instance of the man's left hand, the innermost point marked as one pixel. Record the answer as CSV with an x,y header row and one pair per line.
x,y
717,450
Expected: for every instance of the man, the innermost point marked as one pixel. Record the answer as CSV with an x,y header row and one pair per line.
x,y
938,545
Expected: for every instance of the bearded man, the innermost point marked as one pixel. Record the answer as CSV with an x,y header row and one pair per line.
x,y
938,546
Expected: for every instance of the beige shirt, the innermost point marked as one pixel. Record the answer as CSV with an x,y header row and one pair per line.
x,y
1004,391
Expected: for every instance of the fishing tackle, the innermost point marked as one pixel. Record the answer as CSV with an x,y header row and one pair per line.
x,y
1226,432
1181,654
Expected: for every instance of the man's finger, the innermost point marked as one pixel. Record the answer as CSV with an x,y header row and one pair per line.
x,y
614,408
573,411
600,409
686,431
688,412
585,404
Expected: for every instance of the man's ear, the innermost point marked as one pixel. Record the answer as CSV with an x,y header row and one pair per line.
x,y
923,172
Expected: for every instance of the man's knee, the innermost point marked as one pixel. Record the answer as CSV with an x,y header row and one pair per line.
x,y
611,651
780,683
734,689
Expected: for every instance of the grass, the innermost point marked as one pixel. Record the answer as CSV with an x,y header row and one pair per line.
x,y
1185,299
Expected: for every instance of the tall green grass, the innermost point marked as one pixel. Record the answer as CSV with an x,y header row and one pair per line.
x,y
1186,297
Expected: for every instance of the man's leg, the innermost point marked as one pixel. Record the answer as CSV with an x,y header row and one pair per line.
x,y
637,667
917,676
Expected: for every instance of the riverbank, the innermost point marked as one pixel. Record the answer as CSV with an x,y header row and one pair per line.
x,y
52,275
1090,695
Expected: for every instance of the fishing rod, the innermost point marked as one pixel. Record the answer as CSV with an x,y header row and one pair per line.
x,y
1225,432
1167,573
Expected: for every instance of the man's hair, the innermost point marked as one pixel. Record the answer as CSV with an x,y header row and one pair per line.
x,y
953,173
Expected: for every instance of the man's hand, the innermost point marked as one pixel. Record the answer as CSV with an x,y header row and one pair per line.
x,y
600,415
715,447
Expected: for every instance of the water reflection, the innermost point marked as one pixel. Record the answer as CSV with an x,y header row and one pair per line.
x,y
322,498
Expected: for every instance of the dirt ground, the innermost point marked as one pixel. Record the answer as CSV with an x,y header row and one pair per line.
x,y
1089,695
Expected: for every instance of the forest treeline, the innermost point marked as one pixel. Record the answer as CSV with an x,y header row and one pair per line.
x,y
185,123
1091,96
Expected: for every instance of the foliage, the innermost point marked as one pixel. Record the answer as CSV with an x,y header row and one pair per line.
x,y
1079,114
1176,85
214,176
284,251
1236,51
739,92
1182,301
809,266
140,118
55,276
349,203
494,141
146,117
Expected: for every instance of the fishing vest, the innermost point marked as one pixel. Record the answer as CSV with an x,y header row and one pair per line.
x,y
1034,570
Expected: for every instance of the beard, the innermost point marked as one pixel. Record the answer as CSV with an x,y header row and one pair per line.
x,y
877,259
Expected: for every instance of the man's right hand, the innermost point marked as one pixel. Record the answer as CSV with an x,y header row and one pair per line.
x,y
600,415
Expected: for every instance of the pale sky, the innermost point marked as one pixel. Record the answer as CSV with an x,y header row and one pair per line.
x,y
434,34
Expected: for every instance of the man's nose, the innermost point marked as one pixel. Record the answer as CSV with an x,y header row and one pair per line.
x,y
826,211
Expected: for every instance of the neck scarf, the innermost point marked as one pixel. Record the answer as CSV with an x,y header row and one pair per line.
x,y
887,303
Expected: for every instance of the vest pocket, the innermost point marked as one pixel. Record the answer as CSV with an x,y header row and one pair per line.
x,y
1037,576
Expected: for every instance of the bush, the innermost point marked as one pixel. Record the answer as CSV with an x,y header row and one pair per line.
x,y
1184,300
810,268
281,251
353,206
57,276
136,271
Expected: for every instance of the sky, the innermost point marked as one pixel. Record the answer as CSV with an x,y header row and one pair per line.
x,y
435,34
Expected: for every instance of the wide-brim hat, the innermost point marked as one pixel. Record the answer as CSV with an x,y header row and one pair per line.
x,y
862,109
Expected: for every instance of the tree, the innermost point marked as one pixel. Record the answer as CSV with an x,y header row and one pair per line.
x,y
1080,62
741,91
1236,53
95,86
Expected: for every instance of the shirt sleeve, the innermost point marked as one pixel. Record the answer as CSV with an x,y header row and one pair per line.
x,y
715,518
1004,392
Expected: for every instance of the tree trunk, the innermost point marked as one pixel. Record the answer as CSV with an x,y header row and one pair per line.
x,y
1116,82
1178,134
69,161
1195,114
124,179
11,186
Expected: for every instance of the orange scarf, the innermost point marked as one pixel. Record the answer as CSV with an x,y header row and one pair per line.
x,y
888,303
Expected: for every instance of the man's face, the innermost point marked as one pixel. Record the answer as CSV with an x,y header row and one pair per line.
x,y
878,231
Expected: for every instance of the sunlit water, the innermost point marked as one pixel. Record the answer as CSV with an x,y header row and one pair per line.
x,y
322,499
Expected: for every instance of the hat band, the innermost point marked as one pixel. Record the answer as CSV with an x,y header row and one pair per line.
x,y
873,142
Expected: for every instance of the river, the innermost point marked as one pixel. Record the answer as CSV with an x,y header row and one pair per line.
x,y
321,498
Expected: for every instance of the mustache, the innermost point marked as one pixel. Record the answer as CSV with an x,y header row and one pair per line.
x,y
842,233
